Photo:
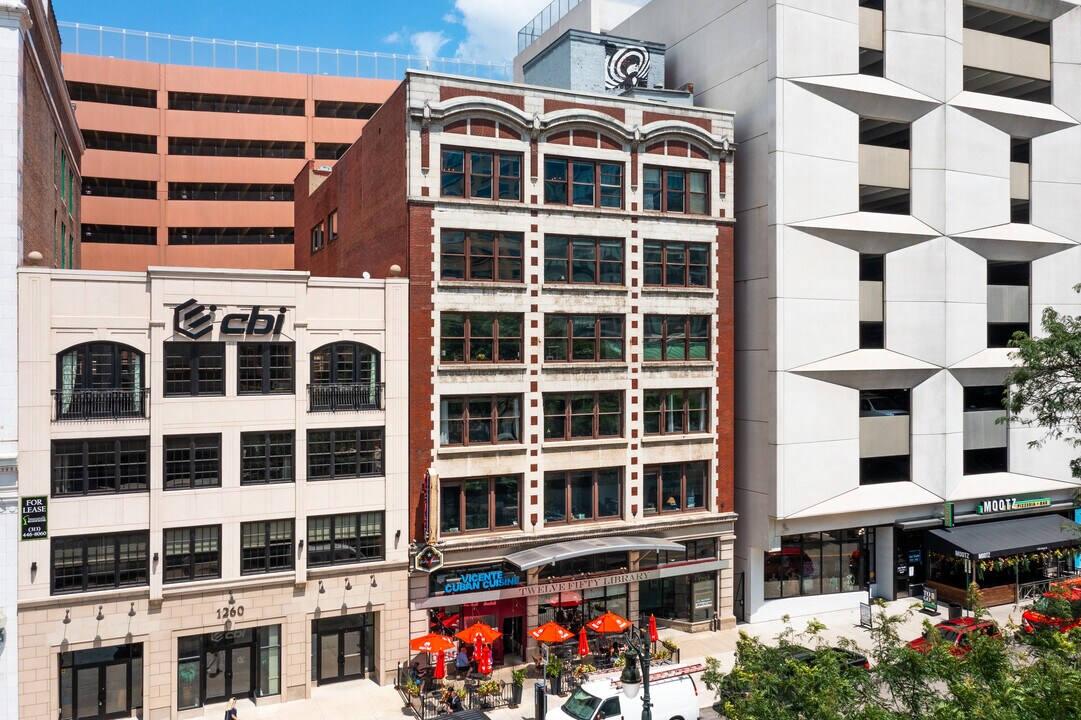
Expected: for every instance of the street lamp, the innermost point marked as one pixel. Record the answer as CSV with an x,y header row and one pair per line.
x,y
632,677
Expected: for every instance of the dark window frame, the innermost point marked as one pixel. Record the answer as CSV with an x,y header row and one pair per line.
x,y
359,519
594,515
368,452
661,508
333,351
664,193
568,338
266,563
684,411
190,552
555,187
460,483
468,177
567,415
667,333
192,448
500,259
496,340
194,354
332,226
81,544
266,381
569,264
687,267
493,421
318,234
85,352
60,447
267,456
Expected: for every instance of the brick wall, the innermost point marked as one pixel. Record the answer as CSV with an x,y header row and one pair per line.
x,y
726,386
421,346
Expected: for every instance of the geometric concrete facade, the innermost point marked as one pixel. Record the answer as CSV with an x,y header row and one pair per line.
x,y
791,71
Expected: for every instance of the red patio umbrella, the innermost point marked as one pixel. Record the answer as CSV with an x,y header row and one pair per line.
x,y
440,671
608,623
479,631
565,599
484,663
431,643
550,632
652,629
583,643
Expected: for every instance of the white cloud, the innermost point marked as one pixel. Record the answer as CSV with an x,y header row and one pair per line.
x,y
492,27
393,39
451,19
428,43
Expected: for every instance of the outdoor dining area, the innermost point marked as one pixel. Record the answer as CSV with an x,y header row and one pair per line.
x,y
460,676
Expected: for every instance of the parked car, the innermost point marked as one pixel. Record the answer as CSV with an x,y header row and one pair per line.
x,y
1059,609
956,633
672,699
879,406
789,563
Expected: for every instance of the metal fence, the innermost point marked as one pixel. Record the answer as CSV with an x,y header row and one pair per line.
x,y
242,55
428,703
329,397
1027,592
101,404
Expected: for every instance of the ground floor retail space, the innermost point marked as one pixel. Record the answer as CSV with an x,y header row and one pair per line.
x,y
184,656
684,583
999,543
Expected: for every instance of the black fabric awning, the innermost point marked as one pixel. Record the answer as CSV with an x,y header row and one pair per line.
x,y
984,541
535,557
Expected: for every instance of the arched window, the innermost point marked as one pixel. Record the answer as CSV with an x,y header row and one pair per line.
x,y
345,376
100,380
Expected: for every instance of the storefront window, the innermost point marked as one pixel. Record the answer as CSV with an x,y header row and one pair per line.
x,y
101,682
573,609
818,563
686,597
588,564
478,504
217,666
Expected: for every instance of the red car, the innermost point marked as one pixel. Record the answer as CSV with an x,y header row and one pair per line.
x,y
1059,609
956,633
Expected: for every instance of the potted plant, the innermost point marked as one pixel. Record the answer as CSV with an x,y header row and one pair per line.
x,y
517,680
670,645
619,661
486,691
412,692
584,669
554,670
662,655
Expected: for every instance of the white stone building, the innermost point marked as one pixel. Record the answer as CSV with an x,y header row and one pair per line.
x,y
908,196
221,461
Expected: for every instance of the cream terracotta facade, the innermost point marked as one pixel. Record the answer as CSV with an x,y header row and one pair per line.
x,y
65,308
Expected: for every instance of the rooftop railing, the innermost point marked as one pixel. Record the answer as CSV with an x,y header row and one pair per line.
x,y
545,19
242,55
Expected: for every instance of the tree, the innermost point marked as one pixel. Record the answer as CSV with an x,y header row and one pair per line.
x,y
1046,386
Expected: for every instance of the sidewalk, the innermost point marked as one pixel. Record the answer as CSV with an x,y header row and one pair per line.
x,y
365,699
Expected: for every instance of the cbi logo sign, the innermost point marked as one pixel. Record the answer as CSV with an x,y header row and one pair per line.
x,y
193,320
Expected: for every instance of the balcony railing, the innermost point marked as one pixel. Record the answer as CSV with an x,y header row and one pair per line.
x,y
101,404
336,397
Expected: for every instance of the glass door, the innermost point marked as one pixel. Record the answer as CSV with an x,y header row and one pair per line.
x,y
100,683
345,647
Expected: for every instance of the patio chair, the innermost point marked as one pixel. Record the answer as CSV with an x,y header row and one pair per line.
x,y
538,665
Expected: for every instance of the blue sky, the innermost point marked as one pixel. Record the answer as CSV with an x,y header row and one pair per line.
x,y
471,29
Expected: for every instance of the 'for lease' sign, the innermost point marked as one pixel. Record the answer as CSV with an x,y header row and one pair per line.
x,y
34,522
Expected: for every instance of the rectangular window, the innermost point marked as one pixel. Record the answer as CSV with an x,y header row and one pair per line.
x,y
264,368
985,438
583,182
872,301
266,547
583,260
480,420
88,563
885,429
669,263
583,338
192,554
266,457
192,461
480,338
575,416
317,237
582,495
105,465
675,487
479,174
345,453
477,255
345,539
676,412
1008,301
676,191
193,369
676,337
332,226
480,504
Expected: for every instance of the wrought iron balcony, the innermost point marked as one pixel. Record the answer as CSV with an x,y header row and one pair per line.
x,y
112,404
338,397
